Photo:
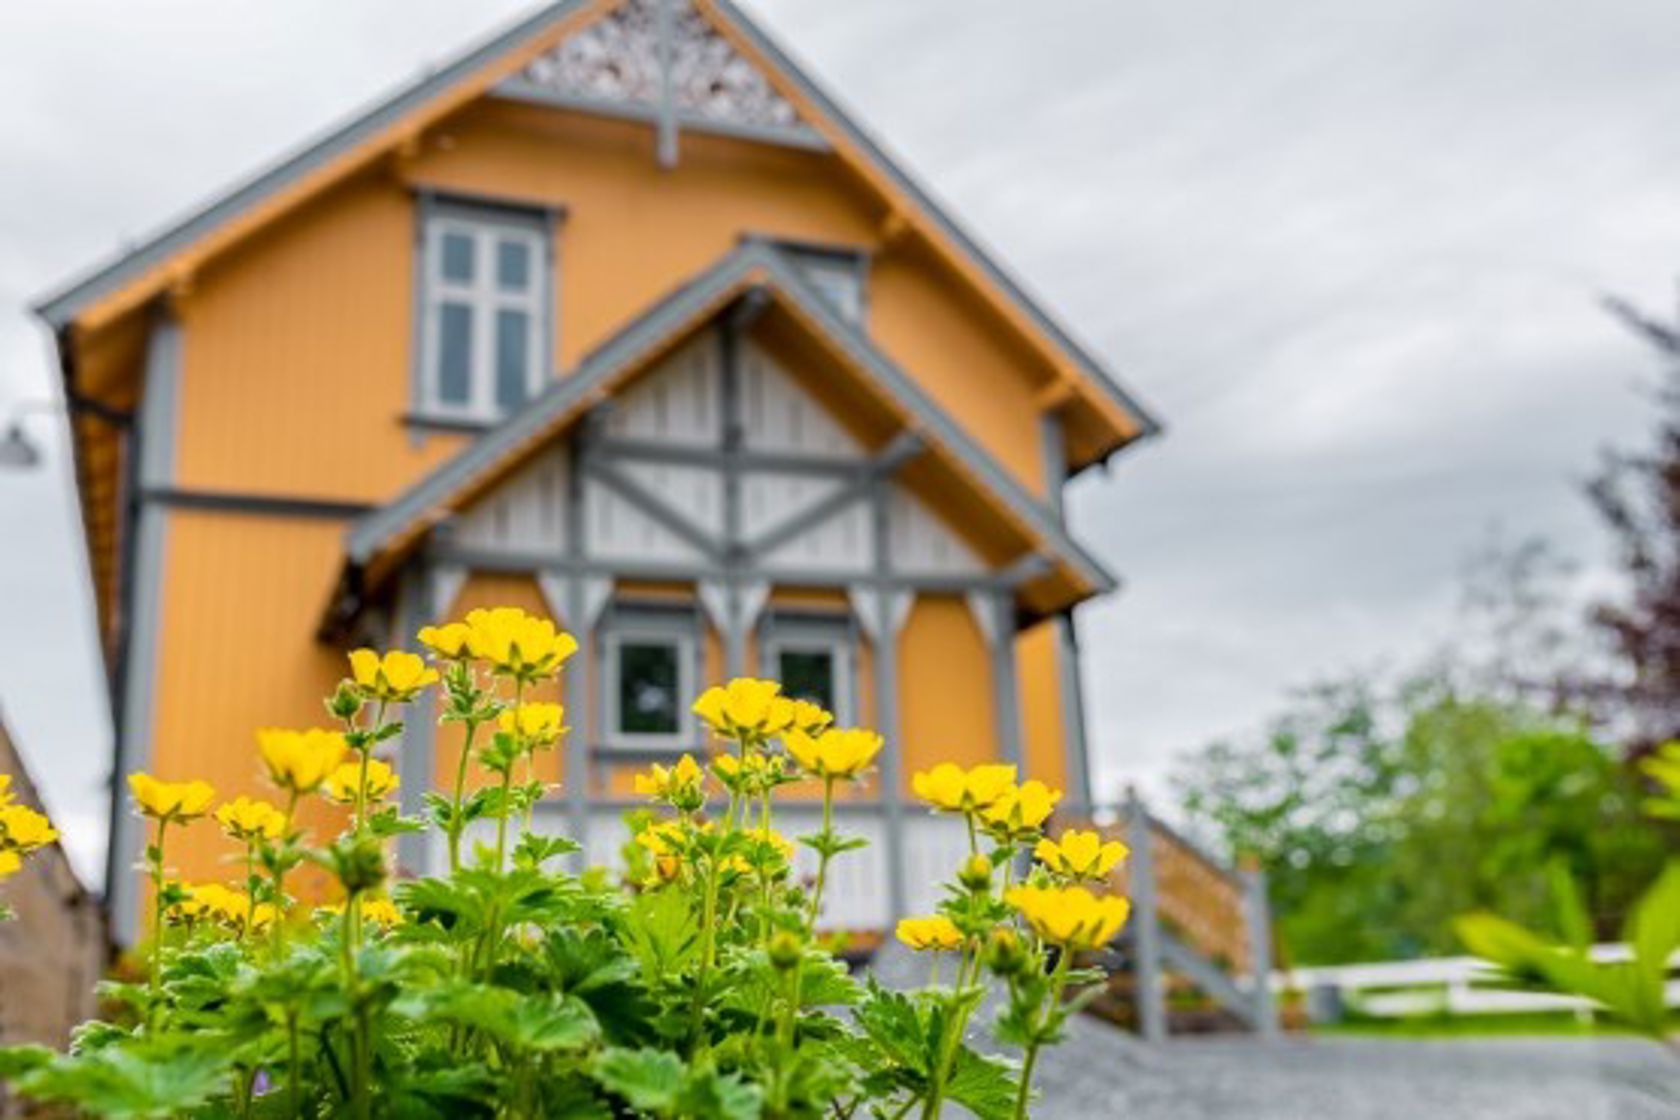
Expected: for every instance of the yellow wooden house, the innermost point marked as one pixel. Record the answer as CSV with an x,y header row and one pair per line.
x,y
620,318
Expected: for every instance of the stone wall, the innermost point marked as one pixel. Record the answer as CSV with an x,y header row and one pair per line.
x,y
54,953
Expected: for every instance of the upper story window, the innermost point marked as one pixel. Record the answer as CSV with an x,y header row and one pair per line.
x,y
812,658
485,307
838,275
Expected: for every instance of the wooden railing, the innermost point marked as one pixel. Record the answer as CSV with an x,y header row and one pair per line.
x,y
1204,921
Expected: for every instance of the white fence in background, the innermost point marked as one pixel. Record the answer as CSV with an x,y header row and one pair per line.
x,y
1436,986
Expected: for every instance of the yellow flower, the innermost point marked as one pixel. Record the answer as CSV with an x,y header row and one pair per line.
x,y
448,641
680,782
835,753
666,840
745,708
753,771
517,644
341,784
170,801
5,789
540,724
811,718
782,846
950,787
397,676
223,902
299,761
381,911
23,829
1021,810
937,932
10,864
1072,917
1080,855
246,818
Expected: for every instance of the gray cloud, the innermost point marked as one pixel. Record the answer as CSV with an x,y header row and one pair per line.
x,y
1350,252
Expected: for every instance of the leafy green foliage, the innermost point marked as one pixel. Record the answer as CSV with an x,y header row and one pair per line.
x,y
1351,797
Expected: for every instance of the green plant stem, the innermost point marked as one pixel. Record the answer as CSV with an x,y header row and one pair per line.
x,y
359,1042
294,1075
280,877
456,825
1058,978
708,945
823,856
155,980
501,821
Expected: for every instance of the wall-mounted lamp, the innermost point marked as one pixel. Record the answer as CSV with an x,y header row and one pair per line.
x,y
18,451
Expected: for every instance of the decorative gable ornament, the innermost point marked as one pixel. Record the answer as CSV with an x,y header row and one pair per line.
x,y
621,57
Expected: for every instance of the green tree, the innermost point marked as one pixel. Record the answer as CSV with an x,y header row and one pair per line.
x,y
1382,815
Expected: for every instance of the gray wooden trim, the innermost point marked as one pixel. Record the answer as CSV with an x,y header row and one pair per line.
x,y
417,606
667,111
1148,992
60,307
1053,445
492,560
651,451
732,624
1006,690
1071,691
158,420
654,506
798,137
1257,912
888,461
1211,980
273,505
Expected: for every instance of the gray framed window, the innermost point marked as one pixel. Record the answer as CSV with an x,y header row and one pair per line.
x,y
484,310
815,659
649,678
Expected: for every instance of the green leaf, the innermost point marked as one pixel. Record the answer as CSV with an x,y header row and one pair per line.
x,y
714,1096
662,931
533,850
647,1079
537,1023
1654,931
144,1080
18,1060
985,1086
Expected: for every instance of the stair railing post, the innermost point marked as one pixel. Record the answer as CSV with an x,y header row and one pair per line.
x,y
1149,991
1257,909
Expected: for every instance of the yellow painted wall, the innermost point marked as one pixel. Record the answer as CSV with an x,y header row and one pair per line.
x,y
297,359
237,652
945,696
1037,676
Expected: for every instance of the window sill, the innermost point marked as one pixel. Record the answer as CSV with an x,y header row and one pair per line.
x,y
446,422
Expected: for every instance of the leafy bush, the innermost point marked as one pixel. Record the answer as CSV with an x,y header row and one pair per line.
x,y
694,985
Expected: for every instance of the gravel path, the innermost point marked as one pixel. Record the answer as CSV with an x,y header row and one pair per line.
x,y
1099,1072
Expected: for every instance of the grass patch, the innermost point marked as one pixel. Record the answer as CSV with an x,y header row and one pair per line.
x,y
1550,1024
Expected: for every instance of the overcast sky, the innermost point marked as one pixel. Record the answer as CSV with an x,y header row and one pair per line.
x,y
1348,252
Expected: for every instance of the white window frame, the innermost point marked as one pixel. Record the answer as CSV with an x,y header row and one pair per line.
x,y
647,631
485,226
812,636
